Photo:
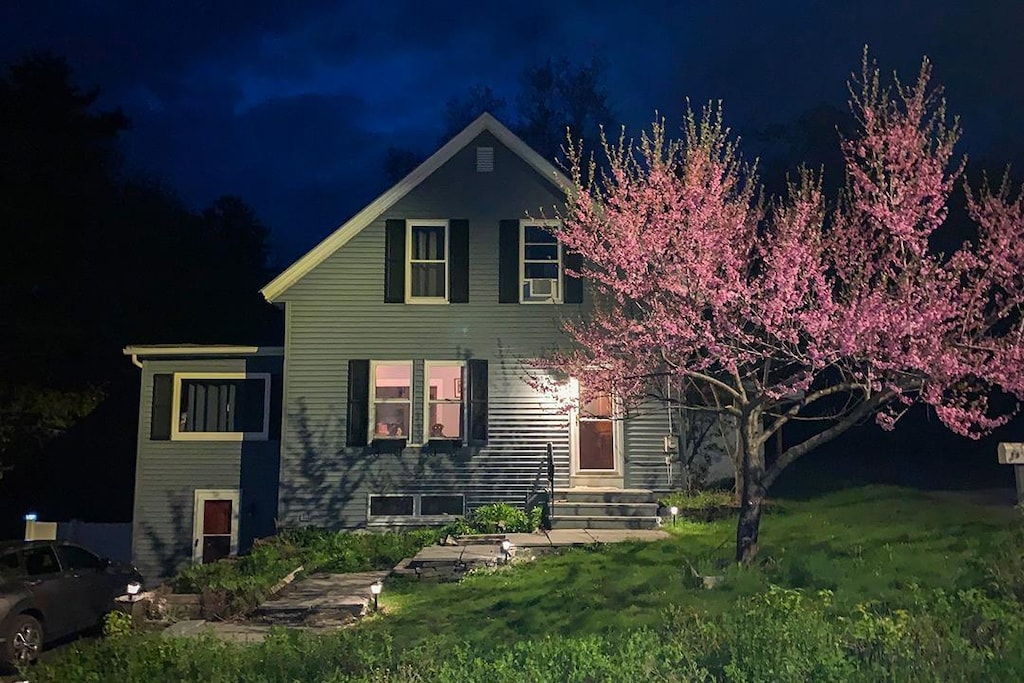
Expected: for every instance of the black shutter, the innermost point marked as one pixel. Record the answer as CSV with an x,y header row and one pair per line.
x,y
573,285
358,402
275,407
508,262
161,411
458,261
476,402
394,261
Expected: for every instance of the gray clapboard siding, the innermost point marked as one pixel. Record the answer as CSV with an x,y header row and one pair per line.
x,y
169,472
336,313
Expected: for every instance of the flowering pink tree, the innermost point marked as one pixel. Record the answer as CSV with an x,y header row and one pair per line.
x,y
786,309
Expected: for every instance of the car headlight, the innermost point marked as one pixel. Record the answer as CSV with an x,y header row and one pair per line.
x,y
134,587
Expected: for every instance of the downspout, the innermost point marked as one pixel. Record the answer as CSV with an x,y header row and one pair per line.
x,y
136,362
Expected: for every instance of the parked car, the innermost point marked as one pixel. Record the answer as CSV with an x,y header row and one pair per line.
x,y
51,589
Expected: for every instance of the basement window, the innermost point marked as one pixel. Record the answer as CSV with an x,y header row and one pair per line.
x,y
413,508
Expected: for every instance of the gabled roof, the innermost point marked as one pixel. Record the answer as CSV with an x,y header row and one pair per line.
x,y
374,209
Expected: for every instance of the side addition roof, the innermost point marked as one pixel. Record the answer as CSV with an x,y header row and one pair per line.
x,y
374,209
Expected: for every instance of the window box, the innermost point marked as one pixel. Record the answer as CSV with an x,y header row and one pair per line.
x,y
388,445
442,445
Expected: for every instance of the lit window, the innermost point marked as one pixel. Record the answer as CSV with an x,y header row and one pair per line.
x,y
427,279
391,392
221,406
540,263
444,399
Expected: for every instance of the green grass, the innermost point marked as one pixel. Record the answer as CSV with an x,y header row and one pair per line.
x,y
871,584
865,545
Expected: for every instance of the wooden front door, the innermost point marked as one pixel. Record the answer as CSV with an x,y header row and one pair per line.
x,y
216,525
596,445
597,435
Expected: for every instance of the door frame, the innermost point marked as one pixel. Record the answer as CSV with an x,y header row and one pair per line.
x,y
201,496
613,478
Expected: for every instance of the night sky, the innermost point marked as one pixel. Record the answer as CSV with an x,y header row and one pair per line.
x,y
291,105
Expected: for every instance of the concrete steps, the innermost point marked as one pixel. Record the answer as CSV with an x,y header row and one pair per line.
x,y
599,508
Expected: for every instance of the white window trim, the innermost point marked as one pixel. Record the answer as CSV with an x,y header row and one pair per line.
x,y
427,222
415,517
426,397
544,223
372,408
202,495
177,435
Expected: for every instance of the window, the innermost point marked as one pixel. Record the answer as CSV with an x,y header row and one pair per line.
x,y
9,565
427,274
540,263
221,406
391,506
391,399
442,505
41,560
451,410
416,505
74,558
443,409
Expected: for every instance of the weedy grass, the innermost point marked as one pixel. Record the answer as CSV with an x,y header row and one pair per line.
x,y
876,583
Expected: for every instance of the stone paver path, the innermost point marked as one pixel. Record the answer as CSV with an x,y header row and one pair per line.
x,y
322,602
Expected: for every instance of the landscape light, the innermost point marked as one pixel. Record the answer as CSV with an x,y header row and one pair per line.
x,y
375,588
506,547
134,587
31,517
673,511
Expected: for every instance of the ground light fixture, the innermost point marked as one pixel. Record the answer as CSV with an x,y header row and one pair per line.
x,y
134,587
506,548
375,588
673,511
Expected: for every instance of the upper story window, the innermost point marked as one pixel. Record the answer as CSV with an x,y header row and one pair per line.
x,y
227,406
427,264
540,263
391,404
444,400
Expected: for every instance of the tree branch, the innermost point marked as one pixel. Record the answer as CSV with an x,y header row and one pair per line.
x,y
793,453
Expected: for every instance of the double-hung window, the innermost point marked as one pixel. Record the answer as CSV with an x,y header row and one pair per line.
x,y
391,399
540,263
228,406
427,263
443,399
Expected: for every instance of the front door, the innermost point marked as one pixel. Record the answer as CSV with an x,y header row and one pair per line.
x,y
597,457
215,533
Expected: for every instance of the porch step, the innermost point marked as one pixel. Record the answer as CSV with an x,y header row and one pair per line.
x,y
603,522
604,508
602,495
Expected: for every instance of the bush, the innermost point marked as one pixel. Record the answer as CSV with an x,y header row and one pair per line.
x,y
503,518
702,506
237,585
117,624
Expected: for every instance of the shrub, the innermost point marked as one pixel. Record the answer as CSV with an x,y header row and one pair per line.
x,y
503,518
117,624
237,585
703,506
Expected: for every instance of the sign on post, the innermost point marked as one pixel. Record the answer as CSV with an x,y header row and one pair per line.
x,y
1013,454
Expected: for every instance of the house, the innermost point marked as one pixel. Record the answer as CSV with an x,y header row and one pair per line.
x,y
403,393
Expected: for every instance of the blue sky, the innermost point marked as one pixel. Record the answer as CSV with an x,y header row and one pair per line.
x,y
292,105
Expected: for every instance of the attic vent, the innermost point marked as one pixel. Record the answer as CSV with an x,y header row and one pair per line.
x,y
484,159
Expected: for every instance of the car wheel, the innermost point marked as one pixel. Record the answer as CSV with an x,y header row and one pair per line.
x,y
23,640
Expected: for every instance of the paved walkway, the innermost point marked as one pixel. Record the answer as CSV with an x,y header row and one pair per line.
x,y
324,602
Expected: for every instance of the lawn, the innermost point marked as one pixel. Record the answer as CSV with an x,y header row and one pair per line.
x,y
865,544
874,583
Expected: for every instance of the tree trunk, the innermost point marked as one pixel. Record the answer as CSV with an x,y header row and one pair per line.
x,y
751,478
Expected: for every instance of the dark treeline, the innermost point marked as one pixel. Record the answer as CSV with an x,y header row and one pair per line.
x,y
92,260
